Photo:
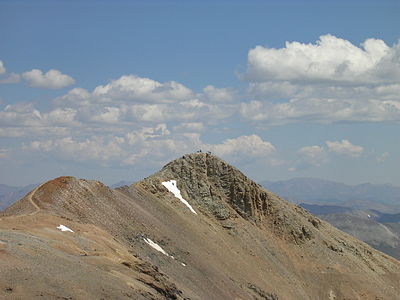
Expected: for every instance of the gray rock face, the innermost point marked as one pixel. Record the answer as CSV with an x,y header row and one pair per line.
x,y
222,191
215,186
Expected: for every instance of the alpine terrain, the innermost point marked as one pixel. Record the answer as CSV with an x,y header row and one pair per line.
x,y
197,229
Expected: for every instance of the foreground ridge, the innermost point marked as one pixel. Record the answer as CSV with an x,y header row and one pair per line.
x,y
144,242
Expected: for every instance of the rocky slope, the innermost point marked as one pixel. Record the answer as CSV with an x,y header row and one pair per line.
x,y
226,238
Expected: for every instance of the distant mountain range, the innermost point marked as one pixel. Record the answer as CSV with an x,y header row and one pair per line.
x,y
120,184
369,212
381,197
10,194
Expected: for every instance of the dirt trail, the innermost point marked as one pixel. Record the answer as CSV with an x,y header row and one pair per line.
x,y
33,202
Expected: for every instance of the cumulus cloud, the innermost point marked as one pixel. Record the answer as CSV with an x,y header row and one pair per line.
x,y
150,145
24,114
75,97
245,148
11,78
311,155
24,120
344,147
131,87
96,148
214,94
109,115
321,111
132,99
330,59
53,79
329,81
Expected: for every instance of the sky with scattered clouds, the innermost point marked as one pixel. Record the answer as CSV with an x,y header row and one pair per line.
x,y
113,90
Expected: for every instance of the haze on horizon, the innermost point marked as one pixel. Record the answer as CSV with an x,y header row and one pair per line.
x,y
114,90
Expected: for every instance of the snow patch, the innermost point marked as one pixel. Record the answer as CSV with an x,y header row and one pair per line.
x,y
64,228
172,187
183,264
156,246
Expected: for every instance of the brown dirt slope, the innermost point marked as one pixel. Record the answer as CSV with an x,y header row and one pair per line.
x,y
243,243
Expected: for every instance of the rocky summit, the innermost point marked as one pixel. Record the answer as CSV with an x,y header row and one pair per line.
x,y
197,229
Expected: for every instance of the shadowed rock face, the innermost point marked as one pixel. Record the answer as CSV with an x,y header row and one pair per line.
x,y
243,243
215,186
224,192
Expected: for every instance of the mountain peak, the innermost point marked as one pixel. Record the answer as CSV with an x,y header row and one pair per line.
x,y
214,185
65,195
125,240
218,189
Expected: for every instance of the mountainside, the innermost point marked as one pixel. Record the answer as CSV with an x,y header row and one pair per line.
x,y
382,197
380,230
197,229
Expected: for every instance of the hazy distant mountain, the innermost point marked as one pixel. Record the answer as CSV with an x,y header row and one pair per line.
x,y
197,229
381,231
369,212
10,194
120,183
382,197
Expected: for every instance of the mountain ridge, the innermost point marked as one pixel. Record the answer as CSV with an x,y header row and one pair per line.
x,y
244,242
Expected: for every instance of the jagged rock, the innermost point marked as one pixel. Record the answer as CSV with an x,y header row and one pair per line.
x,y
221,190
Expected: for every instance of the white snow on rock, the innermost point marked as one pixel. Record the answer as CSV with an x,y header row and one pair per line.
x,y
64,228
172,187
156,246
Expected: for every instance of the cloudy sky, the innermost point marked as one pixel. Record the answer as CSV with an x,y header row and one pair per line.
x,y
113,90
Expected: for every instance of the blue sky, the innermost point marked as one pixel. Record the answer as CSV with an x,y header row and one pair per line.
x,y
113,90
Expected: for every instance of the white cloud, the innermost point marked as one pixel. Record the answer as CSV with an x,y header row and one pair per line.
x,y
344,148
149,145
132,99
76,96
331,59
12,78
214,94
109,115
311,155
24,114
131,87
23,120
94,149
2,68
53,79
321,111
330,81
243,148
